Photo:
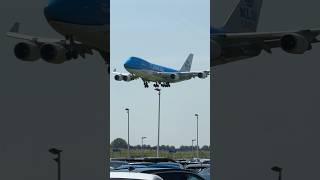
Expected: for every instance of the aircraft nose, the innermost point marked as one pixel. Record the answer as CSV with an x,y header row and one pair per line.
x,y
76,12
52,11
128,63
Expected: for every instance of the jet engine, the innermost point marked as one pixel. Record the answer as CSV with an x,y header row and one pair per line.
x,y
127,78
118,77
215,49
53,53
174,76
295,43
202,75
27,51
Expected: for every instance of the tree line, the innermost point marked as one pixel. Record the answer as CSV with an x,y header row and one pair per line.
x,y
120,143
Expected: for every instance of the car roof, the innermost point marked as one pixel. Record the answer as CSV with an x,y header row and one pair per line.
x,y
145,159
197,165
134,175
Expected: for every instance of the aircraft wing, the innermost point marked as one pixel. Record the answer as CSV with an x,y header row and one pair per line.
x,y
14,33
194,74
184,75
269,40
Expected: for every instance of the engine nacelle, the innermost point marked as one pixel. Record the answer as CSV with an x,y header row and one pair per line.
x,y
27,51
174,76
215,49
294,43
127,78
118,77
202,75
53,53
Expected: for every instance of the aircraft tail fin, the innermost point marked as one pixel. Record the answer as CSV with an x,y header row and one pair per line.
x,y
187,64
245,17
15,28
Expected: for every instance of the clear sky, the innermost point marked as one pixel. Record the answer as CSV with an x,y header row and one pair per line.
x,y
163,32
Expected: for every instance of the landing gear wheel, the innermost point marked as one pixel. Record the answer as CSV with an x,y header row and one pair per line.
x,y
71,53
146,85
75,54
68,55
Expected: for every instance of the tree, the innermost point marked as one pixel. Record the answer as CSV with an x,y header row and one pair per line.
x,y
119,143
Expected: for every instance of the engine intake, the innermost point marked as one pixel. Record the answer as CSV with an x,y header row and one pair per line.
x,y
202,75
127,78
27,51
294,43
174,76
53,53
118,77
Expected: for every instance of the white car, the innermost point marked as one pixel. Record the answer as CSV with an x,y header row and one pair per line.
x,y
133,176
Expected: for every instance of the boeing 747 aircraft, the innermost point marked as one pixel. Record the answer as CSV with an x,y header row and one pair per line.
x,y
239,40
163,76
84,24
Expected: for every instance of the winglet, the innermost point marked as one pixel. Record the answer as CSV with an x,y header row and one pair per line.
x,y
15,28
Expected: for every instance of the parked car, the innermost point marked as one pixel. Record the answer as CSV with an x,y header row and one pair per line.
x,y
116,164
205,173
196,167
133,176
168,173
171,165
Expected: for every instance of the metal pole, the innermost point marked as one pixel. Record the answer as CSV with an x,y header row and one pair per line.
x,y
142,145
158,121
197,115
192,148
59,166
127,109
57,152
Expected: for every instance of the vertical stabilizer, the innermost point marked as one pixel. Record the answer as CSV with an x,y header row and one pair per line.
x,y
245,17
187,64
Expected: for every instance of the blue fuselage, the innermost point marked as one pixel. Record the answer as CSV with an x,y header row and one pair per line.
x,y
147,70
88,21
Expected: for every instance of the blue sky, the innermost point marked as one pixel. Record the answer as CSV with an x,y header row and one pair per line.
x,y
163,32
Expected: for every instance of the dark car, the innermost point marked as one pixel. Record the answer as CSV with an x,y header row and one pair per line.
x,y
196,167
145,159
170,165
205,173
117,164
169,173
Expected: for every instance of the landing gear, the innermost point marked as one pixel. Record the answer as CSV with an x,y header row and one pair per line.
x,y
71,53
166,84
146,84
156,85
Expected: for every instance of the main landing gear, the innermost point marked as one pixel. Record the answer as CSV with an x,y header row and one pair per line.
x,y
156,85
166,84
72,52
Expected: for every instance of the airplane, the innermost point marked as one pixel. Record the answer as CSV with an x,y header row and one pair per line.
x,y
84,24
162,76
238,39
